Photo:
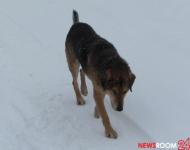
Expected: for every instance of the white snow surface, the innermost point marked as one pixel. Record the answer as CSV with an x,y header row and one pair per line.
x,y
38,108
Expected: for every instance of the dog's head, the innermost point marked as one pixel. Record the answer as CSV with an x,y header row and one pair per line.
x,y
119,80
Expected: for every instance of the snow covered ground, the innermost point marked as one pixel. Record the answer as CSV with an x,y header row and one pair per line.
x,y
38,110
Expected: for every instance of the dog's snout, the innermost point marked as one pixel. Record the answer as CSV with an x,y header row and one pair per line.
x,y
119,108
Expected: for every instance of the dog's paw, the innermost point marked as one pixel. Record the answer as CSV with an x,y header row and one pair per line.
x,y
84,91
80,101
111,133
96,113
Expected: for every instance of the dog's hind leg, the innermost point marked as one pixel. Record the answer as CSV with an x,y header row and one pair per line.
x,y
74,69
96,112
84,89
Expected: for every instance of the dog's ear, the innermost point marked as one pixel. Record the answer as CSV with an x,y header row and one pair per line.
x,y
132,78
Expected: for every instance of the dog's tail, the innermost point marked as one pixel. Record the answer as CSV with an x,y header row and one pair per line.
x,y
75,17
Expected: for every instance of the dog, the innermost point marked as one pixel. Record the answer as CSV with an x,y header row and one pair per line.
x,y
100,62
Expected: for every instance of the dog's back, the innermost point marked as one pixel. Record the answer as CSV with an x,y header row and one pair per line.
x,y
78,37
85,43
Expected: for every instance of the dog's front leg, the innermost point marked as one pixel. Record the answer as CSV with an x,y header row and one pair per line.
x,y
99,99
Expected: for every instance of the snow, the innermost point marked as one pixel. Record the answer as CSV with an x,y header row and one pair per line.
x,y
37,104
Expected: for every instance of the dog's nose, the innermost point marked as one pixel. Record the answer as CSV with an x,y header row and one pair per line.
x,y
119,108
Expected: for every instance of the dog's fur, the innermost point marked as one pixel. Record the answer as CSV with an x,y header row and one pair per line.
x,y
109,73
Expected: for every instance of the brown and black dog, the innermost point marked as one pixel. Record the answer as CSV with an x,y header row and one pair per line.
x,y
99,60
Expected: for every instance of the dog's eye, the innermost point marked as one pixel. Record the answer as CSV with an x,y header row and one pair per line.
x,y
124,92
